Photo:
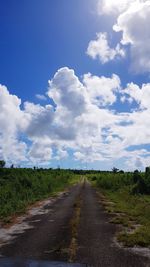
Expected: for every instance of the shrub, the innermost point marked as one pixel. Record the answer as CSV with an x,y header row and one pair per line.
x,y
2,163
19,187
142,183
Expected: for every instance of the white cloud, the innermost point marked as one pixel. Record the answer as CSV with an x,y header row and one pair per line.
x,y
134,130
102,90
11,121
113,6
140,95
132,19
41,97
134,25
40,153
138,160
10,112
89,128
100,49
61,154
67,91
39,120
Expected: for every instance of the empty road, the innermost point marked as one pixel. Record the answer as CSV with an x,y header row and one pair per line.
x,y
74,228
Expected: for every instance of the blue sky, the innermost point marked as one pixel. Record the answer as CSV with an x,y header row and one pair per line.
x,y
39,37
98,79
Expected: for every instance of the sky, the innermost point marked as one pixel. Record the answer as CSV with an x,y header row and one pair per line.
x,y
75,83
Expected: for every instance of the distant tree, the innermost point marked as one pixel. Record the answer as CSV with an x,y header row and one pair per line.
x,y
121,171
115,170
142,185
12,166
2,163
147,179
147,171
136,176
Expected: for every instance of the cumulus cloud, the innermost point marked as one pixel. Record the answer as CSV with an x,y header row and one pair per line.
x,y
40,153
102,90
113,6
100,49
41,97
11,121
134,25
139,95
9,111
67,91
81,120
132,21
61,154
39,119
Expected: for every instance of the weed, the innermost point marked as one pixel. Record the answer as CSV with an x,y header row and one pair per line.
x,y
21,187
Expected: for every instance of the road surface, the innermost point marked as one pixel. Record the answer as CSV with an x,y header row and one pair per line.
x,y
75,228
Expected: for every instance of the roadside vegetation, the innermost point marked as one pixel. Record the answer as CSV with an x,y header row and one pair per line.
x,y
127,197
22,187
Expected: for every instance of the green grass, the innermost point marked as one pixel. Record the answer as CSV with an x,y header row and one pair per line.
x,y
22,187
140,237
130,210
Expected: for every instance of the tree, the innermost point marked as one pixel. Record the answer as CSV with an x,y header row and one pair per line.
x,y
147,171
136,176
142,185
147,179
115,170
2,163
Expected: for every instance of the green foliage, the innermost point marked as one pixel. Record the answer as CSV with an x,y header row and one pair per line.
x,y
138,182
136,176
115,170
127,196
111,181
21,187
141,237
142,182
2,163
147,179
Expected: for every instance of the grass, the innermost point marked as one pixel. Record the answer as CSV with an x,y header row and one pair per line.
x,y
74,230
22,187
132,211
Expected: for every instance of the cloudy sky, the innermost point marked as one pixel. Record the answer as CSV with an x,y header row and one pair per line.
x,y
75,83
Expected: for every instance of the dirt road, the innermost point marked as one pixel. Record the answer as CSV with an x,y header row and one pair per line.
x,y
75,228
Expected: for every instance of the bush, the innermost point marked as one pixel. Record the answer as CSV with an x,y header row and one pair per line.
x,y
20,187
2,163
142,183
113,182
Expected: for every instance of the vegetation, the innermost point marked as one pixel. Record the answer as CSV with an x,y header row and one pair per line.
x,y
21,187
2,163
127,197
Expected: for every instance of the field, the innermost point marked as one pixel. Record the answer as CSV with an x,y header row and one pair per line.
x,y
22,187
126,196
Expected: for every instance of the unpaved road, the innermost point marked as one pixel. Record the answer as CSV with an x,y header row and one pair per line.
x,y
75,228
